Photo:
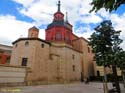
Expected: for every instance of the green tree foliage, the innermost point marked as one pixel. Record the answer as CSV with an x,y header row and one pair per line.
x,y
105,43
109,5
121,60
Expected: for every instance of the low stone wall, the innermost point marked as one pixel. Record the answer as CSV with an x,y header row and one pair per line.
x,y
108,70
12,75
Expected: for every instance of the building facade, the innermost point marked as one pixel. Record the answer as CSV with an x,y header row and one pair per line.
x,y
62,57
5,54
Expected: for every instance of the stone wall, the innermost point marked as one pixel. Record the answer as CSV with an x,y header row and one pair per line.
x,y
67,63
88,65
40,60
54,64
37,53
108,70
11,75
20,50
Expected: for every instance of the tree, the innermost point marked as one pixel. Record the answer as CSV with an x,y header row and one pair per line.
x,y
109,5
105,43
121,57
121,64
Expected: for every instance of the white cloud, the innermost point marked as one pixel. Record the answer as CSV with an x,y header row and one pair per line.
x,y
84,32
11,29
42,33
38,13
102,12
92,18
86,35
42,10
25,3
118,23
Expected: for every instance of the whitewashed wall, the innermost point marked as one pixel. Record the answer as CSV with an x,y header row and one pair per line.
x,y
12,74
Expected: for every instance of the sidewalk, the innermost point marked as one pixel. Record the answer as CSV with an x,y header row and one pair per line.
x,y
91,87
100,85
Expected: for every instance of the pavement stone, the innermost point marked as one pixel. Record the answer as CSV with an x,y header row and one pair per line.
x,y
92,87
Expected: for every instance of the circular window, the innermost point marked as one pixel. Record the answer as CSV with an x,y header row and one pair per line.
x,y
26,43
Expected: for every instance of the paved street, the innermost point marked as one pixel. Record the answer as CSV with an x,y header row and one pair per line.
x,y
59,88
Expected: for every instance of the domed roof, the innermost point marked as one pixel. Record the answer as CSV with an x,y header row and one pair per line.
x,y
59,23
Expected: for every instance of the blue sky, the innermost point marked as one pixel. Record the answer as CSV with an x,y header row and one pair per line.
x,y
9,7
17,16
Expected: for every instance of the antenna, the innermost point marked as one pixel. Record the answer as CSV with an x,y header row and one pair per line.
x,y
59,6
66,16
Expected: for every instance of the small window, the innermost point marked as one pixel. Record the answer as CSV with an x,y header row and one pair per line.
x,y
42,45
26,43
8,60
73,56
92,51
88,50
0,59
73,68
31,34
24,61
67,38
58,36
1,51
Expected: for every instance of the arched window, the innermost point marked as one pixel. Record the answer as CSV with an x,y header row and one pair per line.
x,y
26,43
67,38
58,36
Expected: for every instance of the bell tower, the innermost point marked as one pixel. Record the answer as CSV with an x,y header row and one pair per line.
x,y
33,32
59,30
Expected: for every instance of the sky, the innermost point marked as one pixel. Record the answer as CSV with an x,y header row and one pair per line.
x,y
17,16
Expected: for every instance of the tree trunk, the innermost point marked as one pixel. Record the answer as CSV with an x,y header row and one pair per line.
x,y
123,76
105,81
115,77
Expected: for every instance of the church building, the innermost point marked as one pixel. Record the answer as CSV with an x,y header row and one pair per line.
x,y
62,57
